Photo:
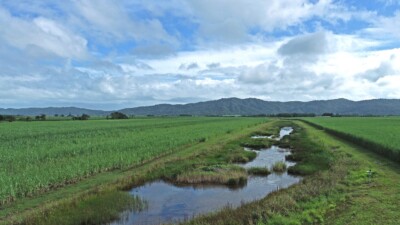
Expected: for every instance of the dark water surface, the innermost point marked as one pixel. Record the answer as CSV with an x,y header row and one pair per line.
x,y
168,203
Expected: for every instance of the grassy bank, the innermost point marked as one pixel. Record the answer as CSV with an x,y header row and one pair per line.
x,y
375,134
336,189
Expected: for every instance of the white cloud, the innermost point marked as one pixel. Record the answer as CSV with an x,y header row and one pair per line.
x,y
71,52
385,27
41,34
231,20
112,19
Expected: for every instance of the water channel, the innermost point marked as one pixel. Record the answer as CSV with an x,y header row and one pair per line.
x,y
168,203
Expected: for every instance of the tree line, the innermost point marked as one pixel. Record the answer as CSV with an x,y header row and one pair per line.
x,y
43,117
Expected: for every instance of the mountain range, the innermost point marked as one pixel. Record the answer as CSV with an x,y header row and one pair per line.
x,y
235,106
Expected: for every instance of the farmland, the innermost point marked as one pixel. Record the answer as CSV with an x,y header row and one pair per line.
x,y
40,156
78,172
379,134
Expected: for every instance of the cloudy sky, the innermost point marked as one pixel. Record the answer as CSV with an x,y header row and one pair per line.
x,y
104,54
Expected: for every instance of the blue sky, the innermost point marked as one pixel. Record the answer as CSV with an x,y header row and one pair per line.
x,y
114,54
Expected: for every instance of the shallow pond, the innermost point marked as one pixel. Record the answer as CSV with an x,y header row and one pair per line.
x,y
168,203
267,157
283,132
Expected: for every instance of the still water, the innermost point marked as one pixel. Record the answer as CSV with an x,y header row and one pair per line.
x,y
168,203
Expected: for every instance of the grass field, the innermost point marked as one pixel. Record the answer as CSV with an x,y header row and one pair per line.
x,y
335,188
39,156
379,134
382,130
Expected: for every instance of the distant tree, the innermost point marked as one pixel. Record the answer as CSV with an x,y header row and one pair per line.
x,y
1,117
117,116
83,117
28,118
10,118
41,117
327,114
62,115
293,115
56,115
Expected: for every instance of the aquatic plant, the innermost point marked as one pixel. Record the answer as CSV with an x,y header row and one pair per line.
x,y
279,167
261,171
215,174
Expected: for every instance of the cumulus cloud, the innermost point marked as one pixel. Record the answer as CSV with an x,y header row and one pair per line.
x,y
119,54
235,20
112,19
154,50
189,66
213,65
310,44
384,69
385,25
387,66
291,63
41,34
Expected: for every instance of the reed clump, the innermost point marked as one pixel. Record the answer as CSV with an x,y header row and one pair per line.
x,y
259,171
279,167
215,174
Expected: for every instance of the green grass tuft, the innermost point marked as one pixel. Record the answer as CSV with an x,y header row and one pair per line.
x,y
279,167
260,171
216,174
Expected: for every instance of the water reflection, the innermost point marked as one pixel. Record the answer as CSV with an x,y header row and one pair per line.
x,y
168,203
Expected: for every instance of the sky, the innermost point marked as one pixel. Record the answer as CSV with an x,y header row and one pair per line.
x,y
103,54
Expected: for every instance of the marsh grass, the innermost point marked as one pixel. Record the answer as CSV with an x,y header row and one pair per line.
x,y
97,209
216,174
259,171
242,157
256,144
279,167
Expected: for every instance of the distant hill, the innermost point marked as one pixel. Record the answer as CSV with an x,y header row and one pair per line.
x,y
252,106
236,106
52,110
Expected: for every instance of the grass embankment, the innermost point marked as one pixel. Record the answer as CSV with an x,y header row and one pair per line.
x,y
215,150
337,189
378,134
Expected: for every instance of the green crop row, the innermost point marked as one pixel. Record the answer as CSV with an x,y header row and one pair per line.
x,y
39,156
378,134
